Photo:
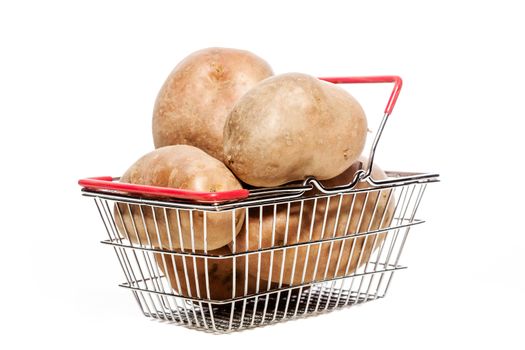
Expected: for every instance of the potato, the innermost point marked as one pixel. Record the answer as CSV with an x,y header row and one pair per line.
x,y
184,167
193,103
220,275
357,250
292,126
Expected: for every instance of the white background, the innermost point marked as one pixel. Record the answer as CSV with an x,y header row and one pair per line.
x,y
77,85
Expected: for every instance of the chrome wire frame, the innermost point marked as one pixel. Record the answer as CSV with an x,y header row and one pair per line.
x,y
176,283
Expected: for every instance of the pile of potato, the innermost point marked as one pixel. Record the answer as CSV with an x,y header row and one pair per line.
x,y
223,121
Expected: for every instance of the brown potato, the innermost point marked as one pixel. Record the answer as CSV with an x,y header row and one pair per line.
x,y
220,275
183,167
193,103
292,126
351,254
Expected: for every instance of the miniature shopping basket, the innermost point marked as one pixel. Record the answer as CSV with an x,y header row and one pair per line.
x,y
295,250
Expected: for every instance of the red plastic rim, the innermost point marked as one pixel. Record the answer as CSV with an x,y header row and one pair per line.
x,y
108,183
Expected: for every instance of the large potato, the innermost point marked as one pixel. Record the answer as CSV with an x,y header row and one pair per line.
x,y
292,126
215,275
193,103
351,254
184,167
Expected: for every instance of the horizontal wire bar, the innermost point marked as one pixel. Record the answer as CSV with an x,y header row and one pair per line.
x,y
259,294
269,249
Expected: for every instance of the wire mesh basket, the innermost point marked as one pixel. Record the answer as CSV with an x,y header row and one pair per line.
x,y
295,250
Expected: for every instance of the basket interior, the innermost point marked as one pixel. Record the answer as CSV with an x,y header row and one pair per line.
x,y
285,259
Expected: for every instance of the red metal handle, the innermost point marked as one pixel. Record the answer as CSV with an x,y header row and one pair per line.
x,y
107,183
398,83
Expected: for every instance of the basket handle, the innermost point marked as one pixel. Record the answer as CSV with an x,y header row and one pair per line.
x,y
398,83
108,183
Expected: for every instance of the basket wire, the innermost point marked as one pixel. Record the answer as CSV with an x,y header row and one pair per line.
x,y
183,294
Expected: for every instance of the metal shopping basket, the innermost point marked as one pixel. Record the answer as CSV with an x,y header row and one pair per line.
x,y
296,250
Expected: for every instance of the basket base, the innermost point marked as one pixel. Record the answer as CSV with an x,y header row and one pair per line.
x,y
265,309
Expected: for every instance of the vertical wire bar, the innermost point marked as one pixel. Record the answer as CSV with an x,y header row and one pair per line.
x,y
342,289
122,257
396,232
183,257
124,254
234,248
257,282
369,228
175,269
147,261
283,260
383,290
319,253
185,267
123,265
416,205
355,240
149,313
175,300
195,271
328,261
380,227
294,262
246,264
123,251
400,220
363,248
206,274
172,258
135,230
161,245
352,251
307,256
398,205
388,235
270,270
138,300
196,317
149,266
165,299
127,260
144,279
312,222
381,222
352,241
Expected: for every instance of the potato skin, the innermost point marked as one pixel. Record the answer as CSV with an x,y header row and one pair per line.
x,y
184,167
220,273
354,252
292,126
192,105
